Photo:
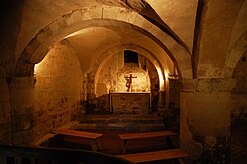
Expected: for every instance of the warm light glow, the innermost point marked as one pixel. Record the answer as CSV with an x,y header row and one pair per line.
x,y
41,66
166,76
36,68
161,79
83,31
139,83
75,33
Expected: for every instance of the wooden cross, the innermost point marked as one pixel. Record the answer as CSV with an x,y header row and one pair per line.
x,y
129,81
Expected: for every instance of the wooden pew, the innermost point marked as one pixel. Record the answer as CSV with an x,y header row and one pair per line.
x,y
155,155
133,136
88,135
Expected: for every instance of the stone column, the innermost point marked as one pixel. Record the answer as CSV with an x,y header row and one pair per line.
x,y
205,119
22,104
162,100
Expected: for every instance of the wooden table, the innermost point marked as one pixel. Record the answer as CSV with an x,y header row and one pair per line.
x,y
88,135
131,136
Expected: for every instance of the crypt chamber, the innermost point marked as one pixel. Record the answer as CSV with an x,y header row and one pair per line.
x,y
126,66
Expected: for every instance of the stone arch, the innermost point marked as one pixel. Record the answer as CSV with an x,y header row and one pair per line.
x,y
97,17
144,52
234,55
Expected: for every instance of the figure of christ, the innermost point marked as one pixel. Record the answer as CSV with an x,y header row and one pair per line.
x,y
129,81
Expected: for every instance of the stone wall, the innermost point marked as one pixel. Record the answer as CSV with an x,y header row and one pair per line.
x,y
110,78
113,72
130,103
98,105
240,74
238,107
5,111
205,119
239,93
57,90
21,91
11,21
140,81
174,93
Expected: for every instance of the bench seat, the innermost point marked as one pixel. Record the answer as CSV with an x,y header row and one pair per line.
x,y
75,133
154,155
146,135
133,136
87,135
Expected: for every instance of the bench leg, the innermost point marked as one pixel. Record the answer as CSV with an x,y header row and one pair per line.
x,y
177,161
94,144
169,142
125,146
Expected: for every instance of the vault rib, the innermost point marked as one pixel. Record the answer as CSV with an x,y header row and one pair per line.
x,y
199,22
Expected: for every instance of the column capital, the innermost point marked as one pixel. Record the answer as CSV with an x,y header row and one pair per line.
x,y
21,82
208,85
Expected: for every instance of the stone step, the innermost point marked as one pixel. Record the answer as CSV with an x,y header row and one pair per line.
x,y
151,116
121,123
119,127
121,120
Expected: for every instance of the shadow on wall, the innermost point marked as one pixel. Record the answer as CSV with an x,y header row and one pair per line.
x,y
99,105
171,118
5,111
239,107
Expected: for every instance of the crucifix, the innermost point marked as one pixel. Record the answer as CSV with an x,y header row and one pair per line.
x,y
129,81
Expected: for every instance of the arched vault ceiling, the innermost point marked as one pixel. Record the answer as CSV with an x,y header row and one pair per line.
x,y
91,43
180,16
86,41
217,29
39,13
92,17
205,29
175,18
33,20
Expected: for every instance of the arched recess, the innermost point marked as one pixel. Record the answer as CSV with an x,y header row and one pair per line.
x,y
97,17
234,55
144,52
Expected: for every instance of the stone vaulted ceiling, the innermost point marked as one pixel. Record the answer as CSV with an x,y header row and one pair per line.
x,y
204,38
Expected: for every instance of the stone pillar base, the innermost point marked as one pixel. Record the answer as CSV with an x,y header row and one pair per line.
x,y
205,119
22,102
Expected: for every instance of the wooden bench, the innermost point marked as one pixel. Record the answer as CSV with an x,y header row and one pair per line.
x,y
43,139
132,136
155,155
88,135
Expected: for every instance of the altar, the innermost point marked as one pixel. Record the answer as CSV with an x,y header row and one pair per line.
x,y
130,102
